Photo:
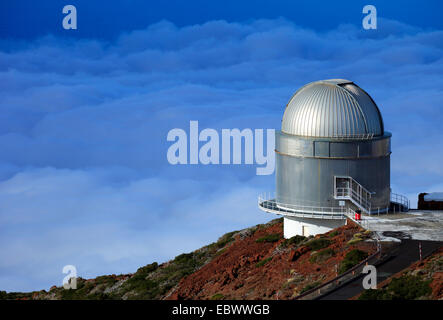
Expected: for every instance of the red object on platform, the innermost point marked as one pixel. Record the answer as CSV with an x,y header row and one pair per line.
x,y
357,216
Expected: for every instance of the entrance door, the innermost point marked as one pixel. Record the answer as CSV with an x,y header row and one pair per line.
x,y
342,182
342,187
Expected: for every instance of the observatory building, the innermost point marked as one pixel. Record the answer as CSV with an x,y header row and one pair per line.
x,y
332,159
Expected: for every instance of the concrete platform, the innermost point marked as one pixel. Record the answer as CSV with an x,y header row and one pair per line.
x,y
416,224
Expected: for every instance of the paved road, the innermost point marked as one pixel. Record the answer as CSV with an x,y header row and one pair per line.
x,y
402,256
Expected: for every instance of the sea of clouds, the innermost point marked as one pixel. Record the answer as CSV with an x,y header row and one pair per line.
x,y
84,178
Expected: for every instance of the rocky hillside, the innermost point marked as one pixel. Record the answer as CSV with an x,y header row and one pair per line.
x,y
254,263
260,264
421,280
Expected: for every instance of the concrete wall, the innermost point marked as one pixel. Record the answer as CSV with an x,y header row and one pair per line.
x,y
297,226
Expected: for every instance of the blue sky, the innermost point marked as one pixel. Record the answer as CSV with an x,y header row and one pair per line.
x,y
107,20
84,178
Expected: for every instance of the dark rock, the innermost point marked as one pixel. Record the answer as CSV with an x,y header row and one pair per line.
x,y
428,205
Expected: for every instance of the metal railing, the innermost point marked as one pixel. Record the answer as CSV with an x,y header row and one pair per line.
x,y
350,194
340,279
354,192
269,204
364,223
401,200
363,136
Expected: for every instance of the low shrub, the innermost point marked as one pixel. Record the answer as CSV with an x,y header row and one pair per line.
x,y
273,237
217,296
351,259
317,244
148,268
310,286
263,262
225,239
221,242
293,241
321,255
333,234
220,252
403,288
183,258
355,240
106,280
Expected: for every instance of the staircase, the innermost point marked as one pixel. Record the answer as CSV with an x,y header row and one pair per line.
x,y
346,188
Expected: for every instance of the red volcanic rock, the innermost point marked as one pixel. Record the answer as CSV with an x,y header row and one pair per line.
x,y
251,269
437,285
295,254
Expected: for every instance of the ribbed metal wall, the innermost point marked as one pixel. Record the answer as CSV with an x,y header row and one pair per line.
x,y
299,146
310,181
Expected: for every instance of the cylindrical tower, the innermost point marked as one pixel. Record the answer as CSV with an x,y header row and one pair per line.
x,y
332,129
332,155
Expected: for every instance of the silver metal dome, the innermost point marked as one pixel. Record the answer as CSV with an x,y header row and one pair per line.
x,y
335,108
